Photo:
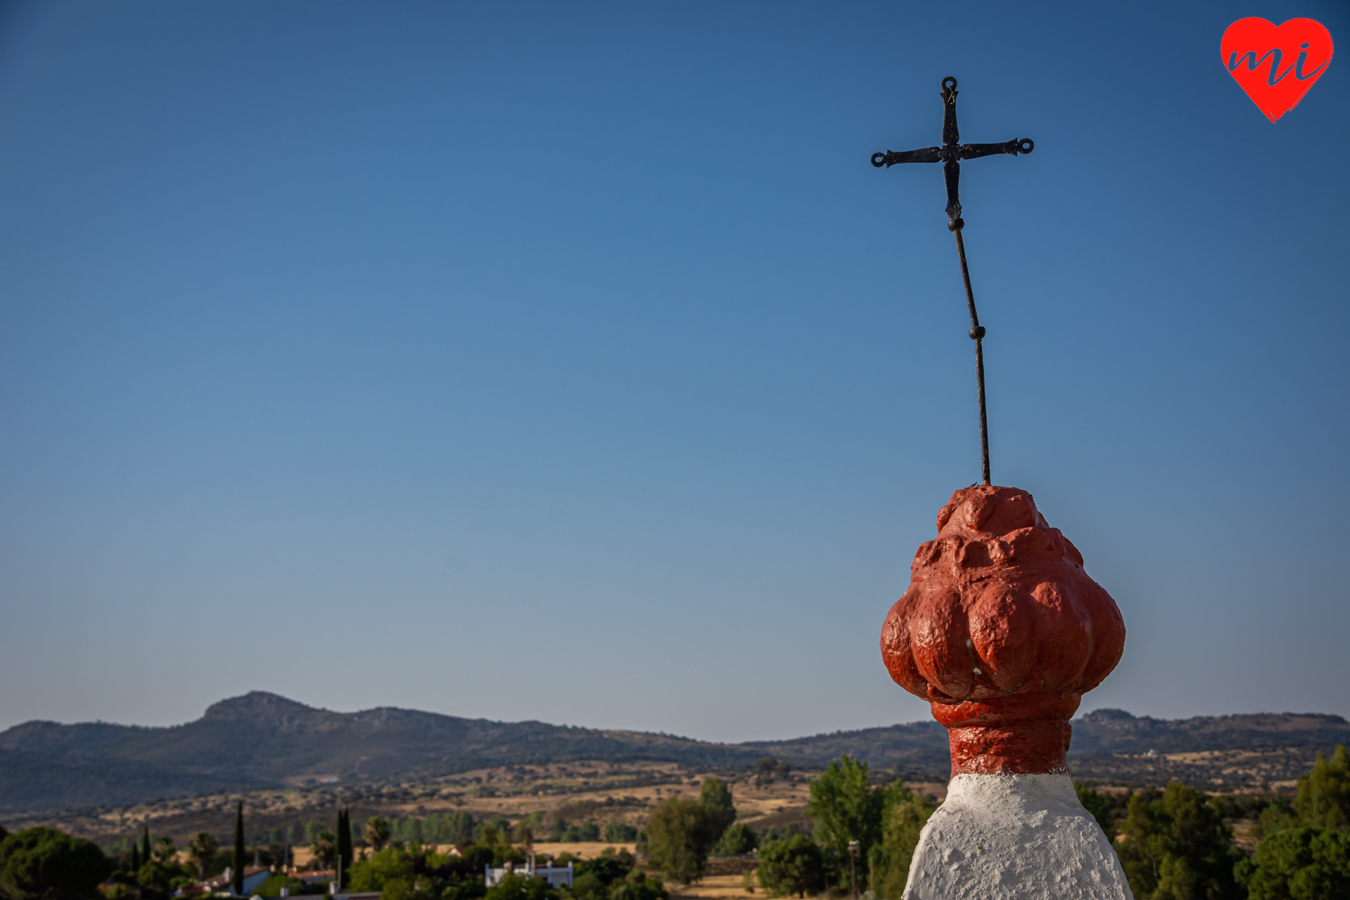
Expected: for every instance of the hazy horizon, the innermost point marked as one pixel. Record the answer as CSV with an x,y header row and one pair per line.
x,y
1081,712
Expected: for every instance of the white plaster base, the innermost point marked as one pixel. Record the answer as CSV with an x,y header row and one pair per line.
x,y
1014,837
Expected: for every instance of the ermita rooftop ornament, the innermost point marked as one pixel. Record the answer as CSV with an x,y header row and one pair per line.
x,y
1002,631
950,155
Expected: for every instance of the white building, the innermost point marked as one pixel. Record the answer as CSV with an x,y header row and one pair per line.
x,y
554,875
254,876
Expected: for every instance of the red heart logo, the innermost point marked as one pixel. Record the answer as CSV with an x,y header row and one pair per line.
x,y
1276,65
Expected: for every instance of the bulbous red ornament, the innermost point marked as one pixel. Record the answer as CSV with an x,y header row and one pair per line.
x,y
1003,632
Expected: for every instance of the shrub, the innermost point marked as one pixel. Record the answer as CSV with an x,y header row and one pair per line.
x,y
737,840
793,865
620,833
48,864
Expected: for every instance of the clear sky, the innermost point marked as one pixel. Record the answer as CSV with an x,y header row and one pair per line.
x,y
571,362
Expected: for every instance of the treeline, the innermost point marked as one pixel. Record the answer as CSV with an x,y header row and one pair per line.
x,y
414,871
461,828
1174,843
417,873
451,828
47,864
857,826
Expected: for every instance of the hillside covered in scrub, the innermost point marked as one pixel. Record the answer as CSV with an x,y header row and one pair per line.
x,y
263,740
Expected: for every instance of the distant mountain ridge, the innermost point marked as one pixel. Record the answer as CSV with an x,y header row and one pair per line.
x,y
1116,731
260,739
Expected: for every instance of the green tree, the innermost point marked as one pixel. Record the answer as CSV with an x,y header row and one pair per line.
x,y
237,869
846,807
274,883
678,839
793,865
888,863
459,828
1300,863
135,856
638,886
1098,807
380,868
415,873
203,849
715,798
590,883
377,832
620,832
498,838
581,831
145,847
520,887
157,879
1176,847
1324,793
48,864
737,840
594,878
1278,814
767,770
324,850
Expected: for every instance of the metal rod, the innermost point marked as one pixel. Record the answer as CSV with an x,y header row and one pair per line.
x,y
977,335
984,422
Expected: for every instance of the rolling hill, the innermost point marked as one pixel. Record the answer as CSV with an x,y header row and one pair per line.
x,y
262,740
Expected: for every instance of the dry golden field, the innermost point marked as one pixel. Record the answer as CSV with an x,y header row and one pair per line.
x,y
597,792
717,887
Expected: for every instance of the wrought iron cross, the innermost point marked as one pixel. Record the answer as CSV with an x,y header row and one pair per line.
x,y
950,155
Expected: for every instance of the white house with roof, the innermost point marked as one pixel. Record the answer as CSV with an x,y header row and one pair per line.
x,y
254,876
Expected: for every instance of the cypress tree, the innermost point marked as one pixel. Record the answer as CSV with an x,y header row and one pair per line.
x,y
347,841
337,830
344,846
135,856
145,846
238,871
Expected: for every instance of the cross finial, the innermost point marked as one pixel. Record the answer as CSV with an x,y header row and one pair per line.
x,y
950,155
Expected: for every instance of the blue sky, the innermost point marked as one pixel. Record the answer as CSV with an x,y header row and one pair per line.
x,y
571,362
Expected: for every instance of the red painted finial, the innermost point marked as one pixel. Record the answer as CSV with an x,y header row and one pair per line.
x,y
1003,631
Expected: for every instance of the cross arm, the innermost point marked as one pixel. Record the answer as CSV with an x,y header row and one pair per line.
x,y
891,157
1015,146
